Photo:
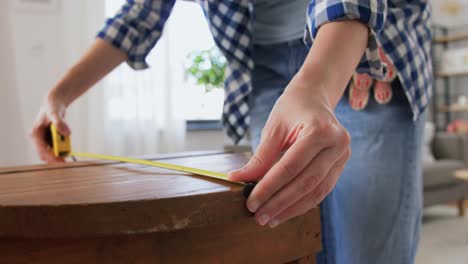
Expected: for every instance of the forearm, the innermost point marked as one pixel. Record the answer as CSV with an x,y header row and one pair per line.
x,y
334,56
99,60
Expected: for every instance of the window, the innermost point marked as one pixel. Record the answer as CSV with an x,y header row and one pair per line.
x,y
135,93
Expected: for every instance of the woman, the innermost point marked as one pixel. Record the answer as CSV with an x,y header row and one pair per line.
x,y
290,96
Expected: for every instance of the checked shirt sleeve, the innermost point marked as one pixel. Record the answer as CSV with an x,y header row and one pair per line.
x,y
136,28
370,12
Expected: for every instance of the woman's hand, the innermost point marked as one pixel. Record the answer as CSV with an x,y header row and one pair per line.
x,y
315,146
52,112
98,61
303,126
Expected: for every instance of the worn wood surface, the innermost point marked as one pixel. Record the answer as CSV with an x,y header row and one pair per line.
x,y
105,212
90,199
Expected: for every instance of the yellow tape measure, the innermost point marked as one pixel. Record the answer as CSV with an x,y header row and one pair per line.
x,y
61,146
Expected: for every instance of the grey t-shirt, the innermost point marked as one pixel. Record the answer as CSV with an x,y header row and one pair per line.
x,y
278,21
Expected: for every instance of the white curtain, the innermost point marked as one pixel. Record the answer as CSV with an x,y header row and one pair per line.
x,y
137,113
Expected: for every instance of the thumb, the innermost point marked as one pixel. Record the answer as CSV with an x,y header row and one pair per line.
x,y
259,163
60,124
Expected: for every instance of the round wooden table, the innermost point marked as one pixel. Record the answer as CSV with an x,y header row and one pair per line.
x,y
104,212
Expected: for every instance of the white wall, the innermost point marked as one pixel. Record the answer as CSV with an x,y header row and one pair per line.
x,y
12,138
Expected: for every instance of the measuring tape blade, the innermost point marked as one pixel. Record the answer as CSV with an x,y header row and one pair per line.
x,y
196,171
61,147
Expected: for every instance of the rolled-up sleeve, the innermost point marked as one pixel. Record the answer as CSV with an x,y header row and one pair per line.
x,y
136,28
370,12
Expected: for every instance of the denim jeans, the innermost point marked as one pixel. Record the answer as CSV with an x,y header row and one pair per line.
x,y
373,215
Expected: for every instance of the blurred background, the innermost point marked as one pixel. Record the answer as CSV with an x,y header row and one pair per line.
x,y
173,106
176,104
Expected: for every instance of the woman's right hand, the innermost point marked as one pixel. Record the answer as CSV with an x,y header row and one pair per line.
x,y
99,60
52,112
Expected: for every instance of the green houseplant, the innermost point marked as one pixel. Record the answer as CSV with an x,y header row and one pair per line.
x,y
207,68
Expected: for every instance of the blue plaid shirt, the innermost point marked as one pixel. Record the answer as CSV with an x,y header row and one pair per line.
x,y
400,27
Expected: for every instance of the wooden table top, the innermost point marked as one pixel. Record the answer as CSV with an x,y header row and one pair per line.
x,y
461,174
106,198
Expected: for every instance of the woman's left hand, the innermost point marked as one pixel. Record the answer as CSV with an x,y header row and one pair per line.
x,y
302,125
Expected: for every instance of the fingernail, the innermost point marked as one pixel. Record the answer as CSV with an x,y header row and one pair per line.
x,y
233,173
253,206
273,223
264,219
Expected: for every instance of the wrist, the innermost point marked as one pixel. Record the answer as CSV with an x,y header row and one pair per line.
x,y
58,96
328,67
316,84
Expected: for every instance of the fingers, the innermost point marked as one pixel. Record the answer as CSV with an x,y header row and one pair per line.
x,y
289,166
308,145
38,134
262,160
42,148
300,186
313,198
60,124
